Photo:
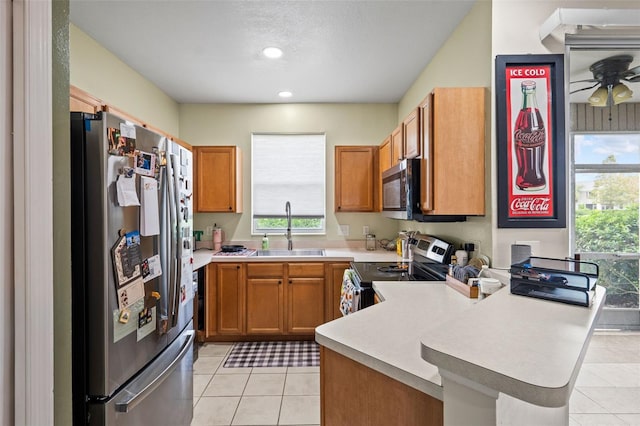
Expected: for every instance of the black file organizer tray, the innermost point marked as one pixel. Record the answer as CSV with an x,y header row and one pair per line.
x,y
561,280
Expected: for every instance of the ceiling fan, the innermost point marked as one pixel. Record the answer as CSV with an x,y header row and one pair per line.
x,y
609,74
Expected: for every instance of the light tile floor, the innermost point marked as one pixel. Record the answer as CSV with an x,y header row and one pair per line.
x,y
252,396
607,391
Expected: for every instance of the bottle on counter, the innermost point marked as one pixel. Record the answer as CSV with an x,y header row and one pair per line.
x,y
265,242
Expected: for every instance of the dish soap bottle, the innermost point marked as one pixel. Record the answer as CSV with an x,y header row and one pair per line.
x,y
265,242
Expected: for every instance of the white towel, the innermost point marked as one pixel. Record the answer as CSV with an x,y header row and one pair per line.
x,y
349,293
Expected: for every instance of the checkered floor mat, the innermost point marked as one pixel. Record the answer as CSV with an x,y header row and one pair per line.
x,y
274,354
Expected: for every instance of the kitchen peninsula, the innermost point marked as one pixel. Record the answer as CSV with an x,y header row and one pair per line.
x,y
432,356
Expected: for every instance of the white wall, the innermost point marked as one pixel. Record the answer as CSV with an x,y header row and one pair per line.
x,y
463,61
344,124
99,72
515,31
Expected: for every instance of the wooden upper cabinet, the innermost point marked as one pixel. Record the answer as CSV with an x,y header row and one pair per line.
x,y
397,145
356,179
426,168
218,183
411,134
385,154
453,142
384,163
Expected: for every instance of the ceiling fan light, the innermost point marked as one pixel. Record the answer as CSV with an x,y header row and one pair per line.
x,y
599,97
621,93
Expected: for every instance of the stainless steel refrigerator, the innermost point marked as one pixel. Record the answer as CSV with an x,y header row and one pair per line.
x,y
132,308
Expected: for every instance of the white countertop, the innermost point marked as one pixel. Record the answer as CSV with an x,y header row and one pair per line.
x,y
386,336
202,257
528,348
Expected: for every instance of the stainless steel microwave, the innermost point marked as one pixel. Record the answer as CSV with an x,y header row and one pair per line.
x,y
401,190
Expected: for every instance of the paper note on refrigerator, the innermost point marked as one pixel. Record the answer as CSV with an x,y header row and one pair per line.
x,y
126,189
130,293
149,215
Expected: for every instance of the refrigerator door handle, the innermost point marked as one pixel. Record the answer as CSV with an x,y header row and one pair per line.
x,y
177,243
173,237
138,391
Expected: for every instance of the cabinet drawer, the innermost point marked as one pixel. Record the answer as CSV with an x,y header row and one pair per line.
x,y
306,270
265,269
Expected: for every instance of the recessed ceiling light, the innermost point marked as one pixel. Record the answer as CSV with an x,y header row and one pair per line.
x,y
272,52
285,94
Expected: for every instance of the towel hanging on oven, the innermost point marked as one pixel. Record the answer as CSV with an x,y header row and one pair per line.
x,y
349,293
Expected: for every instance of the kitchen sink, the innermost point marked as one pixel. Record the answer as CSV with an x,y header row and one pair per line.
x,y
299,252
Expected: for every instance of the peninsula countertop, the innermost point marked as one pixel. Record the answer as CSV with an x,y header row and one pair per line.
x,y
513,344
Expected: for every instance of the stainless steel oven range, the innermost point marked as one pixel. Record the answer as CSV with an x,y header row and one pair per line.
x,y
431,257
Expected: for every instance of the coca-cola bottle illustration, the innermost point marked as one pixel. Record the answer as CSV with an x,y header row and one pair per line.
x,y
529,139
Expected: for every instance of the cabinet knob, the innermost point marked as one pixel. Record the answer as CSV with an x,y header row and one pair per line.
x,y
237,266
290,282
230,208
279,281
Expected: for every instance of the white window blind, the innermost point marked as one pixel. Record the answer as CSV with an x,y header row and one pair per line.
x,y
288,167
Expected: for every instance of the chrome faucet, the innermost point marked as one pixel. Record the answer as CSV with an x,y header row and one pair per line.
x,y
287,209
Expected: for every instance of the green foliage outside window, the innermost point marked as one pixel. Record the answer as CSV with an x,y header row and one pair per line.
x,y
611,231
280,224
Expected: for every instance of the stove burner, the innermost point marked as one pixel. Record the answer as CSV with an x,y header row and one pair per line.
x,y
393,268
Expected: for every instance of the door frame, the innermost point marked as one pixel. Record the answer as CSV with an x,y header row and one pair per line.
x,y
31,172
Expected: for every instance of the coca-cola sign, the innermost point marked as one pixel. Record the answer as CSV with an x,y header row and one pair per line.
x,y
528,205
530,137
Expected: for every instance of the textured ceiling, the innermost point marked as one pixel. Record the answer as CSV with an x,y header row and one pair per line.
x,y
208,51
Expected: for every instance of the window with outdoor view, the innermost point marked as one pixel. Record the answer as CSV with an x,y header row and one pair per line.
x,y
606,182
288,167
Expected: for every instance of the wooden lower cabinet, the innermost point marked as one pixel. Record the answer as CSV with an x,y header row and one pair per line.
x,y
253,300
334,274
355,395
230,298
305,297
305,301
265,298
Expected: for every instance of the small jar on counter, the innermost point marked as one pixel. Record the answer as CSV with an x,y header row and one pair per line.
x,y
370,243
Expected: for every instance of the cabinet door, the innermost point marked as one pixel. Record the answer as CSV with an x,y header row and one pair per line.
x,y
384,163
355,180
217,182
385,154
265,306
210,304
335,272
305,300
230,298
397,145
411,131
426,166
458,139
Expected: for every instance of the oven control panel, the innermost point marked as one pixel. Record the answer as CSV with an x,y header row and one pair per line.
x,y
433,248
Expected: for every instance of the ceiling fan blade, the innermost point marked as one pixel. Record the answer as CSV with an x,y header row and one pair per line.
x,y
584,88
632,75
589,80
